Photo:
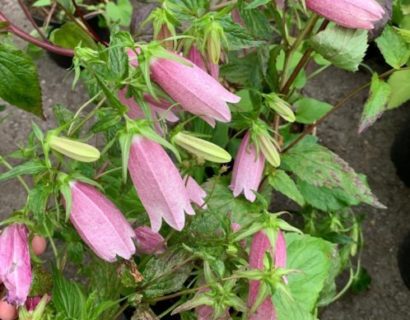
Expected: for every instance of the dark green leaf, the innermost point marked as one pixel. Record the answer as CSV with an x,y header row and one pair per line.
x,y
19,84
320,167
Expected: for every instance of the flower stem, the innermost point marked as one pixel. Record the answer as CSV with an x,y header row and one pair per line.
x,y
39,43
30,18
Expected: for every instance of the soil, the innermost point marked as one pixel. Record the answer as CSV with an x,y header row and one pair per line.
x,y
369,153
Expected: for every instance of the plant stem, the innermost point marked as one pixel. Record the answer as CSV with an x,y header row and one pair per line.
x,y
302,63
39,43
30,18
338,105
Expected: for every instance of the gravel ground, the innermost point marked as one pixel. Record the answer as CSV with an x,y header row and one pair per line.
x,y
369,153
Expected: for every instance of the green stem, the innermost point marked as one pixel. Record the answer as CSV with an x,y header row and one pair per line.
x,y
304,34
76,115
87,117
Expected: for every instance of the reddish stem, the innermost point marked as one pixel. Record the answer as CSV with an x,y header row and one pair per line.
x,y
40,43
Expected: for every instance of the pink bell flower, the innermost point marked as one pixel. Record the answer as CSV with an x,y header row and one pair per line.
x,y
261,245
247,170
15,265
158,183
195,90
100,224
149,242
354,14
196,194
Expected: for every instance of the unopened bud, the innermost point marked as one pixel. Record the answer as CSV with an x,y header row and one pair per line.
x,y
280,106
202,148
269,150
214,37
73,149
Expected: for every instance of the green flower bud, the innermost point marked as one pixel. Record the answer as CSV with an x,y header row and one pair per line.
x,y
269,149
73,149
280,106
214,36
202,148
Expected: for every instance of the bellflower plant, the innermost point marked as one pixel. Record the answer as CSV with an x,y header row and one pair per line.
x,y
204,125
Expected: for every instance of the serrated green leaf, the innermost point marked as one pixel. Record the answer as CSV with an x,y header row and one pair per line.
x,y
29,168
162,276
395,50
281,182
19,83
345,48
376,104
320,167
309,110
400,88
119,12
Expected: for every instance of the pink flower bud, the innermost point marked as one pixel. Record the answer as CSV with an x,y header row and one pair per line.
x,y
100,224
39,245
149,242
7,311
247,170
260,245
159,184
32,302
15,265
355,14
195,90
196,194
196,57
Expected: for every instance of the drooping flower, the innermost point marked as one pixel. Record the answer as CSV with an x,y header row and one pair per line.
x,y
15,265
194,89
100,224
159,184
260,245
247,170
149,242
355,14
196,194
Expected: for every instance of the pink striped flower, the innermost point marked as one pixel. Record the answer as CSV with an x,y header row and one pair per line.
x,y
149,242
15,265
100,224
196,57
196,194
261,245
194,89
158,183
247,170
355,14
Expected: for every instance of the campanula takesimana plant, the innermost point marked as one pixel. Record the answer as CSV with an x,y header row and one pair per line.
x,y
200,127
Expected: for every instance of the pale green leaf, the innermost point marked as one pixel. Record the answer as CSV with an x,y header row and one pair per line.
x,y
309,110
281,182
376,104
400,88
345,48
395,50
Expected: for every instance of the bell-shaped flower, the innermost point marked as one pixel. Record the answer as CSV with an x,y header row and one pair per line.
x,y
100,224
195,90
247,170
260,246
15,265
149,242
158,183
196,57
196,194
354,14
